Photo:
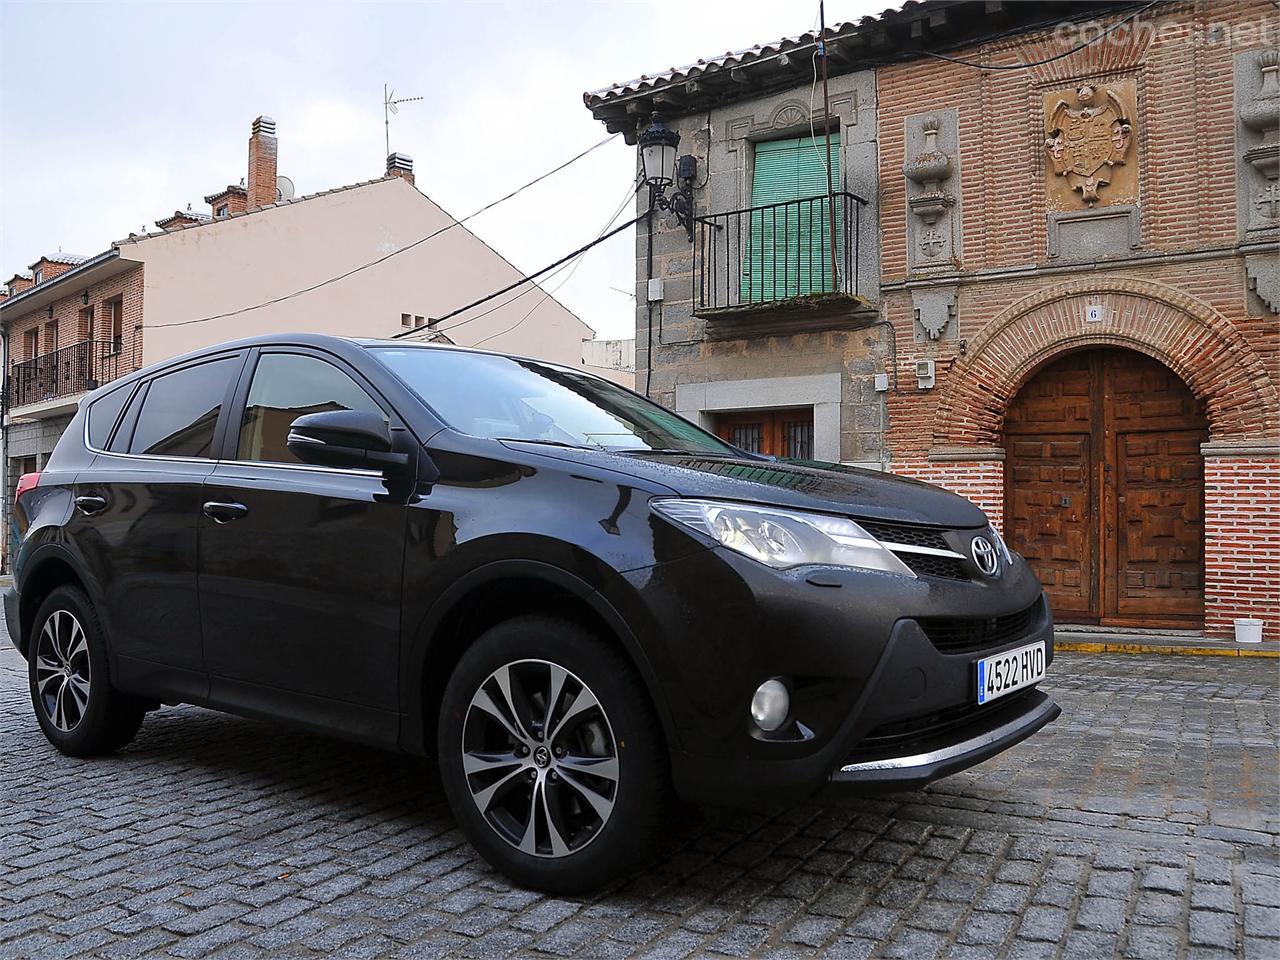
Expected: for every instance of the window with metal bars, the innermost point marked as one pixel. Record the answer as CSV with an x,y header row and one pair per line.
x,y
777,433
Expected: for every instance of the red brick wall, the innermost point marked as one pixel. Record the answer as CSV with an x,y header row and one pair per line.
x,y
234,202
48,269
67,313
1190,309
1242,542
261,183
982,481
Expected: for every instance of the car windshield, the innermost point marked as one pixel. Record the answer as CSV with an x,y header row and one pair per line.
x,y
504,398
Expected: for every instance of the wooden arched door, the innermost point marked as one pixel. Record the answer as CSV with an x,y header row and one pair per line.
x,y
1104,489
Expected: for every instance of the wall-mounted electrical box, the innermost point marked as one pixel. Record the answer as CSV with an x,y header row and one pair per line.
x,y
882,382
924,374
655,289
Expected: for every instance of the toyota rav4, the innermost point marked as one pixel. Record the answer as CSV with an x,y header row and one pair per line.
x,y
575,600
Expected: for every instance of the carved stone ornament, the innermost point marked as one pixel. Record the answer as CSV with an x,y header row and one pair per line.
x,y
1087,141
930,168
1262,116
790,115
934,312
931,174
932,242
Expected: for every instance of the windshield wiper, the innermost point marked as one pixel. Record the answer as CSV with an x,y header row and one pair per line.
x,y
671,452
546,443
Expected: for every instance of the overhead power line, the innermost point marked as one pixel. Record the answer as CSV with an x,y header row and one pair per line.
x,y
527,290
572,269
521,282
383,259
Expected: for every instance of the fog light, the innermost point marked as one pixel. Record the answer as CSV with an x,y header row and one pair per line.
x,y
770,705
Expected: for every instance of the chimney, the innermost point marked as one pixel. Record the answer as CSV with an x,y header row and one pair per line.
x,y
399,165
262,164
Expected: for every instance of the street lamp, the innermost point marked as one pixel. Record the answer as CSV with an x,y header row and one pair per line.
x,y
658,156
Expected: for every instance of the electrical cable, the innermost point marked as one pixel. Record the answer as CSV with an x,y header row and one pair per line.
x,y
1040,63
547,293
521,282
526,290
386,257
813,133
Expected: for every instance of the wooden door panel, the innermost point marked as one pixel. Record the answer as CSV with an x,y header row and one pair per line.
x,y
1057,400
1160,525
1049,516
1118,434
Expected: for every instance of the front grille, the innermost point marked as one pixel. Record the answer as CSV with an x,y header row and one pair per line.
x,y
921,564
966,634
925,565
905,533
893,737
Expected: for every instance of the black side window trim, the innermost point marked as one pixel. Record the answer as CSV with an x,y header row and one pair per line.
x,y
122,436
229,443
134,408
125,408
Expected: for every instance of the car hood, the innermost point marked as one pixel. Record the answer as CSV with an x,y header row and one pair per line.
x,y
803,484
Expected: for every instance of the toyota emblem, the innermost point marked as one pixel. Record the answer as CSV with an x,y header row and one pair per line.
x,y
985,556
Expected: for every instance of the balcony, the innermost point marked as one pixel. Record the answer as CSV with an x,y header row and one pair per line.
x,y
35,386
771,269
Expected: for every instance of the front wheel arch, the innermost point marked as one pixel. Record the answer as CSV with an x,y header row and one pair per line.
x,y
467,609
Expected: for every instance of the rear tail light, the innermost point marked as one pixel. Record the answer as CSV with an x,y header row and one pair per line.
x,y
28,481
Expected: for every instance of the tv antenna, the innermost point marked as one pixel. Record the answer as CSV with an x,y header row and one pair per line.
x,y
390,106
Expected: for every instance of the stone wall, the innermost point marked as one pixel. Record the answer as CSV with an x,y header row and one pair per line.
x,y
668,332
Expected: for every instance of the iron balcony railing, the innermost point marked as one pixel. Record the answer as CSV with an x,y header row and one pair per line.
x,y
777,251
65,372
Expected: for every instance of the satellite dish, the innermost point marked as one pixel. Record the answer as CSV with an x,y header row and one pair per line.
x,y
284,188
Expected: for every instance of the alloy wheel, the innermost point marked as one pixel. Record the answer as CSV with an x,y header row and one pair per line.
x,y
63,671
540,759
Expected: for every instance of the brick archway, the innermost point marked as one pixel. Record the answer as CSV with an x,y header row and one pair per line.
x,y
1191,338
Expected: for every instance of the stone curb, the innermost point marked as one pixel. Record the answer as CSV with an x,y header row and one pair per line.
x,y
1073,646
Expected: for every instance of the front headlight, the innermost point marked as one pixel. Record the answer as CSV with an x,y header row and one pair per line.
x,y
783,538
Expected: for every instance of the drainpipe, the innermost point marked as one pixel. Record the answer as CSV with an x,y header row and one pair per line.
x,y
648,272
4,449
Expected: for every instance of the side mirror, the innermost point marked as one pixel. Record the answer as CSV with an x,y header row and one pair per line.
x,y
344,438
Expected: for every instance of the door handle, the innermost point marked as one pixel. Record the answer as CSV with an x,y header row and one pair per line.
x,y
221,512
90,504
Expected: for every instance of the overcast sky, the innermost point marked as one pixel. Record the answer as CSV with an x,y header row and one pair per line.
x,y
113,115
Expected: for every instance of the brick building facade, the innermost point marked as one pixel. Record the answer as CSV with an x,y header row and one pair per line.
x,y
1076,283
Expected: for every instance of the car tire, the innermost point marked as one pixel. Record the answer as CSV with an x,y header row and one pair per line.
x,y
500,779
79,711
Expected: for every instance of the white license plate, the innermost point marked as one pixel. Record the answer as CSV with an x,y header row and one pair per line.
x,y
1009,671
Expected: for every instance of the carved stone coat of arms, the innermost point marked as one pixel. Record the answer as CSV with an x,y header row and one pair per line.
x,y
1088,138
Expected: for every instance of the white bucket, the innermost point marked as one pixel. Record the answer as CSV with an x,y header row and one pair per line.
x,y
1248,630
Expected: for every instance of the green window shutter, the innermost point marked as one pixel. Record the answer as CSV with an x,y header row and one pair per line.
x,y
789,248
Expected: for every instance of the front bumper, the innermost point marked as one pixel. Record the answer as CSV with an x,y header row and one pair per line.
x,y
860,665
941,755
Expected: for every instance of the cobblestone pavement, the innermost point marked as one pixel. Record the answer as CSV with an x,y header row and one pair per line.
x,y
1142,824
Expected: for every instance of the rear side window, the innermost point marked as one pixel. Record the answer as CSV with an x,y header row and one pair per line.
x,y
285,387
103,414
181,409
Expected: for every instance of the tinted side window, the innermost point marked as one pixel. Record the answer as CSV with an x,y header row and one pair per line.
x,y
285,387
181,410
103,414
